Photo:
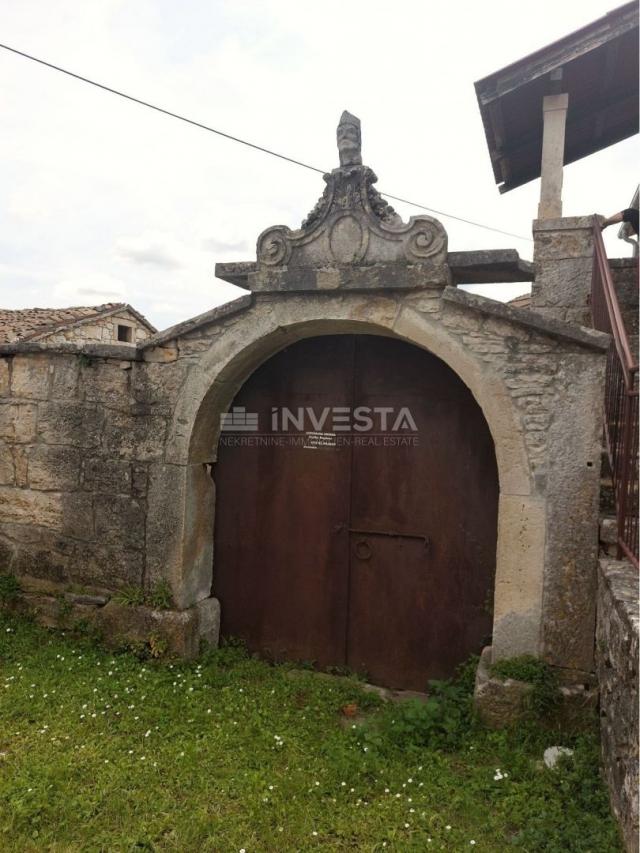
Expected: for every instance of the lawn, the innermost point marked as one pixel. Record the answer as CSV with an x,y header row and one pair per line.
x,y
105,752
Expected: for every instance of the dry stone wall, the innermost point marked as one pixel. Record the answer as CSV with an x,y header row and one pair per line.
x,y
78,435
617,668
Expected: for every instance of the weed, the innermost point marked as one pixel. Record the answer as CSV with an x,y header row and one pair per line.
x,y
65,608
85,628
545,695
231,651
9,588
131,596
157,646
443,721
160,596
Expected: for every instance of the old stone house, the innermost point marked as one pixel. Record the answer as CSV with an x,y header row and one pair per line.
x,y
113,322
356,463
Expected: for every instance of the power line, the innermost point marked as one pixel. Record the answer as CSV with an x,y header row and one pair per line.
x,y
242,141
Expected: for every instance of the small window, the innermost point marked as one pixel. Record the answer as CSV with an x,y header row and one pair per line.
x,y
125,334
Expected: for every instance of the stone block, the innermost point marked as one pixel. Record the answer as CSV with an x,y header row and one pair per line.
x,y
108,566
161,354
64,383
499,702
41,561
121,624
208,611
104,381
31,376
574,442
54,468
7,471
563,283
77,516
86,599
120,521
157,384
5,376
22,506
134,436
21,465
77,424
104,474
165,524
519,579
18,422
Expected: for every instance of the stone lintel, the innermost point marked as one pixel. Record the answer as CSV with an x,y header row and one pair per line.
x,y
374,277
217,313
122,353
236,272
489,266
577,335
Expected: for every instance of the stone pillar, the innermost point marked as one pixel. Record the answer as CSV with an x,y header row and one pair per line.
x,y
563,258
554,111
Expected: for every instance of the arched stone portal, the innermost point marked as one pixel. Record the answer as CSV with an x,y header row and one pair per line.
x,y
263,330
355,268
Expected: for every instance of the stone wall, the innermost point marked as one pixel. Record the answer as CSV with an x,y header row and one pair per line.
x,y
77,437
617,669
625,278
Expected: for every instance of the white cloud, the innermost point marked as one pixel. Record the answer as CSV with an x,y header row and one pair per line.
x,y
90,288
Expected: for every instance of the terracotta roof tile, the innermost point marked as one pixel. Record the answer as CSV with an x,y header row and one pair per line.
x,y
522,301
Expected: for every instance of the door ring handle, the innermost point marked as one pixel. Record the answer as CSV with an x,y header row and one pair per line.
x,y
363,550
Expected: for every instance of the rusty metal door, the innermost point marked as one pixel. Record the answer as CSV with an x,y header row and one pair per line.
x,y
279,572
423,523
376,550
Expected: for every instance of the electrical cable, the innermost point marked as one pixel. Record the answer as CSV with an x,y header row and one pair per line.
x,y
242,141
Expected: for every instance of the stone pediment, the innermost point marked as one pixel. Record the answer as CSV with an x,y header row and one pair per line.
x,y
353,225
350,230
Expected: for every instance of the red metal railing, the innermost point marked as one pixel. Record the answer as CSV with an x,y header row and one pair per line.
x,y
621,401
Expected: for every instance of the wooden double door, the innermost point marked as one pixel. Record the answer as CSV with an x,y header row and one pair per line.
x,y
342,545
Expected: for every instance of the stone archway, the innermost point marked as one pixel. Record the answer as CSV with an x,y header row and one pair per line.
x,y
268,327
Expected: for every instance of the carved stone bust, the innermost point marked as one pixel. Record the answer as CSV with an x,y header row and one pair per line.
x,y
349,140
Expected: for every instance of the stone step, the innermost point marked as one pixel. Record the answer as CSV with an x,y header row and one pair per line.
x,y
608,530
608,536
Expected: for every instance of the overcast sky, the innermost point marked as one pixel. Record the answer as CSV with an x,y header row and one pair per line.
x,y
102,200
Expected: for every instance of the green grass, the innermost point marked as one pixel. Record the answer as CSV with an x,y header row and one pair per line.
x,y
103,752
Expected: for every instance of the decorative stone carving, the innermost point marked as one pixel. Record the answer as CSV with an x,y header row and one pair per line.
x,y
349,140
351,224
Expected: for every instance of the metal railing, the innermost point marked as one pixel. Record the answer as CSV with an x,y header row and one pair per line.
x,y
621,401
